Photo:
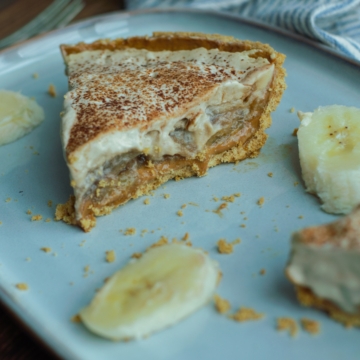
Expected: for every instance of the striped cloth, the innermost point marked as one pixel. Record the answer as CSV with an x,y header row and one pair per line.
x,y
335,23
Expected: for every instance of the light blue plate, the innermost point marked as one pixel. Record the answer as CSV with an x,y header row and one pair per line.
x,y
58,288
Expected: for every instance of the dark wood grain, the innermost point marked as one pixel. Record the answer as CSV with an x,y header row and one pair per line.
x,y
17,342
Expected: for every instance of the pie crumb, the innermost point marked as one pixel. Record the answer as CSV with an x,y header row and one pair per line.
x,y
224,247
261,201
166,196
76,318
179,213
147,201
162,241
262,272
8,199
110,256
246,314
29,212
292,110
130,231
35,75
294,133
50,203
221,305
22,286
46,249
270,174
52,90
287,324
230,198
136,255
36,218
48,220
221,207
311,326
186,236
86,270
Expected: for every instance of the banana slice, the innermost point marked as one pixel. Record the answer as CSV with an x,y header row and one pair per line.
x,y
329,150
162,287
18,116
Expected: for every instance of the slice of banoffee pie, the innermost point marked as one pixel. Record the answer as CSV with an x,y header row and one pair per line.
x,y
144,110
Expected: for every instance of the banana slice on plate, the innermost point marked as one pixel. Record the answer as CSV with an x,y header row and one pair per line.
x,y
165,285
18,116
329,150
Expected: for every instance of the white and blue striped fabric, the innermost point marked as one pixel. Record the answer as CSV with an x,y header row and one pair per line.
x,y
335,23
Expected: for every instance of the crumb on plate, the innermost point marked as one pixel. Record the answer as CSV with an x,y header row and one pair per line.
x,y
22,286
224,247
52,90
246,314
221,305
261,201
230,198
186,237
110,256
130,231
287,324
311,326
162,241
36,218
76,318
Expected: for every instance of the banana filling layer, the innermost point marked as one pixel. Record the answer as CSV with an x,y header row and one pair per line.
x,y
135,118
118,180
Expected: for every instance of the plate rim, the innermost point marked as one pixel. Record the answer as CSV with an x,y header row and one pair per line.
x,y
32,326
176,10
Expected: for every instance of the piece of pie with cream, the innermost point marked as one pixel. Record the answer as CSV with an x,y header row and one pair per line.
x,y
144,110
324,266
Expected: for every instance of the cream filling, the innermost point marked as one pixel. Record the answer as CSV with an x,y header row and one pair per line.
x,y
331,273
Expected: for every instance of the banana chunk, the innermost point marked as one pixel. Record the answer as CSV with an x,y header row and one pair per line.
x,y
155,291
329,150
18,116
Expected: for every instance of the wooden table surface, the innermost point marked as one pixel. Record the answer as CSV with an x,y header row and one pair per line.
x,y
16,343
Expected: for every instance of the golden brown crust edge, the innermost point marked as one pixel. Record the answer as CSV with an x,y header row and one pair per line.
x,y
186,41
174,41
307,298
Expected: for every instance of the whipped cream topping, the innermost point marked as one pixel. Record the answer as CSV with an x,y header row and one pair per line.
x,y
331,272
138,100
